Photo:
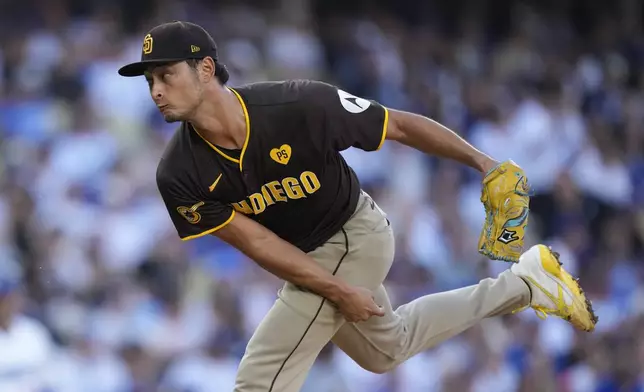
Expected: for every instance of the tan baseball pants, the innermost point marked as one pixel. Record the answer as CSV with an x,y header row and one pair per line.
x,y
288,340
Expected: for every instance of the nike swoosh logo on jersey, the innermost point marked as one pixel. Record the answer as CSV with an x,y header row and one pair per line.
x,y
214,184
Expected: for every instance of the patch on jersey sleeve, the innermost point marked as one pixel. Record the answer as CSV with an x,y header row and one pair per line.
x,y
351,103
190,213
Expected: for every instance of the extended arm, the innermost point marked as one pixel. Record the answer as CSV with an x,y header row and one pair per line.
x,y
291,264
280,258
428,136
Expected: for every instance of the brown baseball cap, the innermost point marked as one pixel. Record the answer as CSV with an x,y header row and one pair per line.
x,y
172,42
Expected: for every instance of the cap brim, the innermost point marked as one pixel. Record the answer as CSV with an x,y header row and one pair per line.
x,y
139,68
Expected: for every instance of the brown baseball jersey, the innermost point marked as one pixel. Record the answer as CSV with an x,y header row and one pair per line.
x,y
289,176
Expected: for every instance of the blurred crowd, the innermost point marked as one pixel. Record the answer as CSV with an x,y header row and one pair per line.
x,y
111,300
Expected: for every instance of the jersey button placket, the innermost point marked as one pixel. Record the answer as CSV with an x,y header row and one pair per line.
x,y
247,180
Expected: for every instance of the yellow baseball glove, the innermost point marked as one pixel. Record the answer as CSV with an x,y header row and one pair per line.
x,y
505,195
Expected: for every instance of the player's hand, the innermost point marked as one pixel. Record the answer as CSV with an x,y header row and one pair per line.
x,y
359,305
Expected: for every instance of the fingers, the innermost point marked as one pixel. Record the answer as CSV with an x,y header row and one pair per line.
x,y
352,318
363,307
374,310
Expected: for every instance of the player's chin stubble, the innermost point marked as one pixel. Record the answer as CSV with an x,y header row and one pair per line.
x,y
170,118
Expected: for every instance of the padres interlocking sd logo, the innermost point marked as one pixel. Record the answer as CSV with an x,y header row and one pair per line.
x,y
190,213
147,44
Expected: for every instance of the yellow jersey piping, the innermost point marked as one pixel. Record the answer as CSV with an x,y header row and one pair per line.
x,y
384,129
210,231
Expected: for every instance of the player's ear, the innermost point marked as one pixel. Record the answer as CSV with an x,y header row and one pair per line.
x,y
207,69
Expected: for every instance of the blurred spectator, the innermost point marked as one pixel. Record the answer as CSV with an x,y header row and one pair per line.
x,y
27,347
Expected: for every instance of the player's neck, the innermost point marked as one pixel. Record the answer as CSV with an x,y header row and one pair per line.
x,y
220,119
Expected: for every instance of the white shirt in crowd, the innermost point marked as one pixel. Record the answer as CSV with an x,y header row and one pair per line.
x,y
25,349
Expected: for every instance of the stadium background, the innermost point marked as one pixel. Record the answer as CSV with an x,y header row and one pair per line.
x,y
121,305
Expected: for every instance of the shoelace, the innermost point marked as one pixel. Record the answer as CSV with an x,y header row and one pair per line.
x,y
540,312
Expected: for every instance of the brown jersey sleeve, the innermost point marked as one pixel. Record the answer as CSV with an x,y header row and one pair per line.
x,y
192,216
346,120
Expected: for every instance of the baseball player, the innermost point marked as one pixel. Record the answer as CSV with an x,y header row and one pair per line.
x,y
259,166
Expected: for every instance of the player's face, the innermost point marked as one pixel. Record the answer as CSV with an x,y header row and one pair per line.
x,y
175,89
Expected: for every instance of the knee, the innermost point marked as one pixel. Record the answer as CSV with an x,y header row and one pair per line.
x,y
378,364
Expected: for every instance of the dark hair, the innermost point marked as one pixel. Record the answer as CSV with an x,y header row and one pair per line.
x,y
220,70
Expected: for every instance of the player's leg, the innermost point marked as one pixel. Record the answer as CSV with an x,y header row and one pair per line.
x,y
381,343
283,348
287,342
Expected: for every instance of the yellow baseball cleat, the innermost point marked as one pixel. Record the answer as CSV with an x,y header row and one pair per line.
x,y
554,291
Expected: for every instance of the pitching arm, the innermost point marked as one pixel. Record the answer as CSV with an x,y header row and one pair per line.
x,y
429,136
281,258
